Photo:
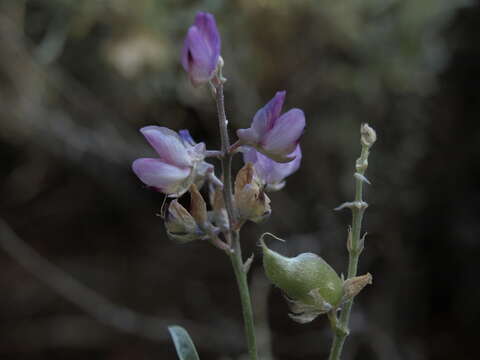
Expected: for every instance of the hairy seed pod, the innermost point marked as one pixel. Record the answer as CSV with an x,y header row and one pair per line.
x,y
306,278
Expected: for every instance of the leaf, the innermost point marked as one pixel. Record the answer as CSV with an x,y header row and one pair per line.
x,y
183,343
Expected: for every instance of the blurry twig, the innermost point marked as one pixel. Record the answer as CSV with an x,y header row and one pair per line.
x,y
102,309
53,43
30,115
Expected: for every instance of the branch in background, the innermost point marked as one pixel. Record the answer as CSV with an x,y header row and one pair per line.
x,y
102,309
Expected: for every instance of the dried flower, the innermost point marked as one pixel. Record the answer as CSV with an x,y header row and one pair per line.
x,y
180,225
179,165
183,225
201,49
218,215
272,134
198,207
368,135
271,173
252,202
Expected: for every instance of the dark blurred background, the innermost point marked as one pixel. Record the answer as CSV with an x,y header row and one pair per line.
x,y
77,80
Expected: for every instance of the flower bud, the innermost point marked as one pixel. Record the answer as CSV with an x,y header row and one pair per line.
x,y
312,285
252,202
181,226
368,136
201,49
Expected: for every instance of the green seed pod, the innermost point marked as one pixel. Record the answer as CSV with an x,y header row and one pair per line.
x,y
311,284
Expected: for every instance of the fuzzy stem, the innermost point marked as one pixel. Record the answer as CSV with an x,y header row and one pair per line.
x,y
233,237
355,249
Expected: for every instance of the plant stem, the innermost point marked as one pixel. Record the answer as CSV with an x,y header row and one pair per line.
x,y
233,237
355,248
241,276
226,159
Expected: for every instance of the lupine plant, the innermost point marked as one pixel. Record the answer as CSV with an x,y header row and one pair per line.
x,y
271,152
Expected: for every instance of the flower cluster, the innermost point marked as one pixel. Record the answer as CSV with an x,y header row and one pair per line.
x,y
270,148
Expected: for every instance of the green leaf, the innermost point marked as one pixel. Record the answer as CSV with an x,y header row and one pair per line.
x,y
183,343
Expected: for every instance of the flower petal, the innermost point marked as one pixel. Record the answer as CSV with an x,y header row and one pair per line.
x,y
282,170
285,134
265,118
186,137
263,121
248,136
270,171
205,22
168,145
196,59
153,172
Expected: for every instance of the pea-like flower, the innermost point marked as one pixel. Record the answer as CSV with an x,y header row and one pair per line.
x,y
272,134
201,49
271,173
179,164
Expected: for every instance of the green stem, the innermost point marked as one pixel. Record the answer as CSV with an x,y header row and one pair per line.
x,y
241,276
355,249
233,237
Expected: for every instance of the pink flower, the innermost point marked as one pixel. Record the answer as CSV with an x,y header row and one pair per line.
x,y
177,165
272,134
201,49
272,173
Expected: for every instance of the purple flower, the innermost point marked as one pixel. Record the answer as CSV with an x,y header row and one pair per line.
x,y
177,166
201,49
270,172
272,134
